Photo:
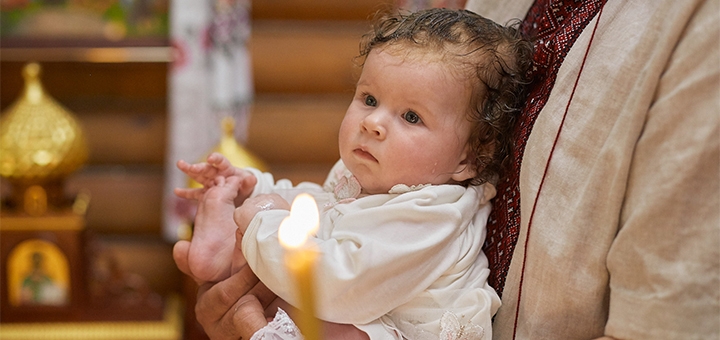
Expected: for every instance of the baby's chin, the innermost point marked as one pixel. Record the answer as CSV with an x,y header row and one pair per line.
x,y
370,187
373,190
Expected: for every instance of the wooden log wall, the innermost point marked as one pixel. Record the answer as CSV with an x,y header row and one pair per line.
x,y
303,65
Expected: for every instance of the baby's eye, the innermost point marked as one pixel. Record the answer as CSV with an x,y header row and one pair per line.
x,y
411,117
370,101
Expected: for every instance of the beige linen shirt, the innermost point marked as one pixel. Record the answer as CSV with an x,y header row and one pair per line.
x,y
625,239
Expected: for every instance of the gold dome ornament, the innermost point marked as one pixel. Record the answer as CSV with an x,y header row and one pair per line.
x,y
41,143
235,153
232,150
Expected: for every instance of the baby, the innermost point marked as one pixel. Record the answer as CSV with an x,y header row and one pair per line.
x,y
403,212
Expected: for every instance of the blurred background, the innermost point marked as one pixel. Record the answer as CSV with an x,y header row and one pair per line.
x,y
153,81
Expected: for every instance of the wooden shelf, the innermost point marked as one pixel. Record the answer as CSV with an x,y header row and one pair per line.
x,y
309,10
154,54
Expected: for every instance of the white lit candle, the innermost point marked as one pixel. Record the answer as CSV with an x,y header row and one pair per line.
x,y
300,259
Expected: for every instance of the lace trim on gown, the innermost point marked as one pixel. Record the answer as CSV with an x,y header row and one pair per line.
x,y
280,328
454,329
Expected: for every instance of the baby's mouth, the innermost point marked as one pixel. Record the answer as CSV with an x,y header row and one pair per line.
x,y
365,155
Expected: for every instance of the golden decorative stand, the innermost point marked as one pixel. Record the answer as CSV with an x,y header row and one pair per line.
x,y
169,328
52,284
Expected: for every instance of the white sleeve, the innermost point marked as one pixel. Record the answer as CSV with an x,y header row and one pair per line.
x,y
371,249
266,183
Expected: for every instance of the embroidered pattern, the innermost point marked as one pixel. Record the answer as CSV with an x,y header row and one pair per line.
x,y
453,329
554,25
347,189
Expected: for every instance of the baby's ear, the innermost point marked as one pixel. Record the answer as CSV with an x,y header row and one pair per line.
x,y
464,172
465,169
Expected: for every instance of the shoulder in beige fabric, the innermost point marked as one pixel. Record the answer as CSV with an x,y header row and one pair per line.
x,y
625,239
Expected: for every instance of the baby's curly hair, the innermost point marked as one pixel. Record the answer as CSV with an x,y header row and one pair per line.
x,y
495,59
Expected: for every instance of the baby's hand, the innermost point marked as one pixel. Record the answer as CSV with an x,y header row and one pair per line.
x,y
245,213
205,173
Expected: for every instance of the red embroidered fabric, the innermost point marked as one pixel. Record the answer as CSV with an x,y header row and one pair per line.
x,y
553,26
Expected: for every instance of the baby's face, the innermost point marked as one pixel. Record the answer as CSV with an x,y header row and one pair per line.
x,y
407,123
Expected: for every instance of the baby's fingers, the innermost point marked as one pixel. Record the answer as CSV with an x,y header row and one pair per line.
x,y
221,163
186,167
188,193
202,173
235,182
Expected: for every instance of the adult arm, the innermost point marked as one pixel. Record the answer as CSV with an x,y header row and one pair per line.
x,y
664,264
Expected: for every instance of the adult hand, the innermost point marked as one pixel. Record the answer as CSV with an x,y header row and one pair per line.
x,y
233,308
230,309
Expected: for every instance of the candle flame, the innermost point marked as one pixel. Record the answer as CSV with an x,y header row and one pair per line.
x,y
303,221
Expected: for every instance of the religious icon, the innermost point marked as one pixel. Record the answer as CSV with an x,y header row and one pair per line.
x,y
38,274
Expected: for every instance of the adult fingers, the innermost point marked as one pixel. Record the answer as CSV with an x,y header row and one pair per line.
x,y
215,300
233,308
247,318
264,295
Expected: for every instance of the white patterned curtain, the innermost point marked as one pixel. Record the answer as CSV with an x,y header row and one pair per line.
x,y
210,79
